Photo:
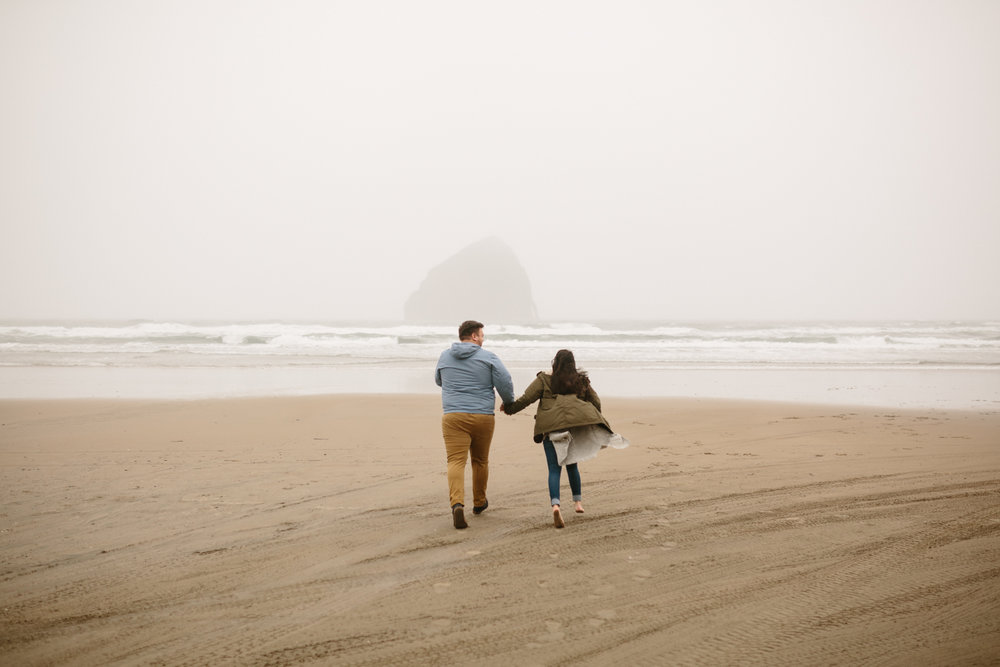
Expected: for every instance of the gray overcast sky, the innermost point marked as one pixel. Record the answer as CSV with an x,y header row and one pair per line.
x,y
675,160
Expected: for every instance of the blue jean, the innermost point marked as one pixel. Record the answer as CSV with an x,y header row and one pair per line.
x,y
555,474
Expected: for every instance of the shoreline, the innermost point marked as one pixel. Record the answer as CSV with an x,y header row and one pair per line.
x,y
315,529
905,387
432,402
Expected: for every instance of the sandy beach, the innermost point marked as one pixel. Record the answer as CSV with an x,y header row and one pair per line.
x,y
315,530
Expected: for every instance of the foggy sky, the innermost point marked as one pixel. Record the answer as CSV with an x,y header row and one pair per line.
x,y
313,160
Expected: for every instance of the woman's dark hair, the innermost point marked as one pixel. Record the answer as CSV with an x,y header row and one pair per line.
x,y
566,379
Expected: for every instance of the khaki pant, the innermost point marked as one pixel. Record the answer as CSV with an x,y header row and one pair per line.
x,y
466,434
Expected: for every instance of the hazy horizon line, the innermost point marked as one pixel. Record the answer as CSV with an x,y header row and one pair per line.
x,y
360,321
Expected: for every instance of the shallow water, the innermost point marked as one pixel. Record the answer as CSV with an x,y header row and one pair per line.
x,y
904,364
944,388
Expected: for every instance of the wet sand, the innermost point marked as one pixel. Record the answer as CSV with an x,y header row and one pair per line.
x,y
298,530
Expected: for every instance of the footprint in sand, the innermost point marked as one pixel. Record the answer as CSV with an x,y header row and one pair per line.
x,y
473,553
600,592
554,633
441,587
640,575
602,617
437,625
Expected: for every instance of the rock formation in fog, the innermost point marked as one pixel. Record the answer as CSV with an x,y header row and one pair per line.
x,y
483,281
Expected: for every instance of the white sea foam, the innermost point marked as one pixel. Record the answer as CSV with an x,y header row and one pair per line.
x,y
943,364
268,343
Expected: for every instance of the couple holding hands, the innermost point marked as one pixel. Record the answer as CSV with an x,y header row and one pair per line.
x,y
568,423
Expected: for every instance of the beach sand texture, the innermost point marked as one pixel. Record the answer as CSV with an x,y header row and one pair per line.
x,y
316,530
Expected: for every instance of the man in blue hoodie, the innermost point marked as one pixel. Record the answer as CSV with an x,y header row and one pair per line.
x,y
468,375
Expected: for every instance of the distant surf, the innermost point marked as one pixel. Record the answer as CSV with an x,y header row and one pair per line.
x,y
900,364
788,344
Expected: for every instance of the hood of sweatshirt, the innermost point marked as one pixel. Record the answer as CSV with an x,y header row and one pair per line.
x,y
464,350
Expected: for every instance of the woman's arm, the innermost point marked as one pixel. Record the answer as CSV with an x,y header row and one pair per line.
x,y
530,395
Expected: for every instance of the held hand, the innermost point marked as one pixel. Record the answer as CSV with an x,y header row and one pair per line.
x,y
503,408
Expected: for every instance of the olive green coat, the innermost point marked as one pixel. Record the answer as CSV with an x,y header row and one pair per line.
x,y
557,412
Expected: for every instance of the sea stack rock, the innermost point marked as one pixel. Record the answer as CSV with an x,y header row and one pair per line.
x,y
483,281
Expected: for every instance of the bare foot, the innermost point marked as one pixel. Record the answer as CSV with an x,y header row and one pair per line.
x,y
579,507
557,517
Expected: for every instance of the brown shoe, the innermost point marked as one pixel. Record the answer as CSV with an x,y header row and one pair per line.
x,y
458,516
557,518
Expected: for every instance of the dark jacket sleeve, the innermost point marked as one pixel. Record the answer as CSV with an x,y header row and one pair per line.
x,y
530,395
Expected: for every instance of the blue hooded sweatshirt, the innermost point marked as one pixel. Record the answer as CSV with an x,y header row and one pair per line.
x,y
467,375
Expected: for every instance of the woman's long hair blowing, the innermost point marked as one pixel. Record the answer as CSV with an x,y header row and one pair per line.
x,y
566,379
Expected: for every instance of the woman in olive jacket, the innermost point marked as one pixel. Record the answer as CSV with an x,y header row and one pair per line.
x,y
565,400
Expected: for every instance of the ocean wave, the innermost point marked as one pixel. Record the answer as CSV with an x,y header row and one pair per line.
x,y
891,343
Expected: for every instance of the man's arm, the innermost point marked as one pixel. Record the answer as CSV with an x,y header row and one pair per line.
x,y
437,370
502,381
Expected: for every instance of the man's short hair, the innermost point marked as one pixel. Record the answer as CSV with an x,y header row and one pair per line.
x,y
467,328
